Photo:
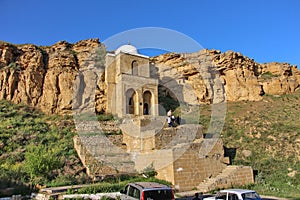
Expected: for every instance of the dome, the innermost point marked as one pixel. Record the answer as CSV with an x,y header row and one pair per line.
x,y
127,48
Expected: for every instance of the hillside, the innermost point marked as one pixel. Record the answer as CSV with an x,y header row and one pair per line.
x,y
263,134
36,149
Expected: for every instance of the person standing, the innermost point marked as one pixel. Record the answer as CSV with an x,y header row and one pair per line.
x,y
169,118
170,123
196,196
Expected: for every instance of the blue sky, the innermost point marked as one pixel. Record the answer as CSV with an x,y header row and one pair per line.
x,y
265,30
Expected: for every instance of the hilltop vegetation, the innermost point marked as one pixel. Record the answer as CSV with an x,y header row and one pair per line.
x,y
38,149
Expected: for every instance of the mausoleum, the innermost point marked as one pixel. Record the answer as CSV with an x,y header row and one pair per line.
x,y
131,89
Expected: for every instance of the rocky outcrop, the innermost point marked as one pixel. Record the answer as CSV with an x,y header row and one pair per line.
x,y
242,78
278,78
44,77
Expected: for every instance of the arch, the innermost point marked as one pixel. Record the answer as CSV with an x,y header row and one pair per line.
x,y
131,101
147,103
134,68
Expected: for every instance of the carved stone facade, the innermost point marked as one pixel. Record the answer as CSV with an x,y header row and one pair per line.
x,y
130,88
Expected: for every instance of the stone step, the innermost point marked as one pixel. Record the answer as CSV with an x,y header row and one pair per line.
x,y
109,126
142,124
119,158
122,167
210,184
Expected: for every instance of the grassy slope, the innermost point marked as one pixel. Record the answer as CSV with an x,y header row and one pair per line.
x,y
25,134
266,136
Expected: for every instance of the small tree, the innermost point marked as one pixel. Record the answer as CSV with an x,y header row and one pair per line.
x,y
40,161
149,171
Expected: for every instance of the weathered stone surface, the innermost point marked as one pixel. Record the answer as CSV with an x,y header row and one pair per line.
x,y
242,78
44,77
21,80
279,78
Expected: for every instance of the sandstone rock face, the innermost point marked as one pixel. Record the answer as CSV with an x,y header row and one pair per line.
x,y
279,78
22,78
242,78
44,77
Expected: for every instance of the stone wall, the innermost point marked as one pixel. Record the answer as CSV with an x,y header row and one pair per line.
x,y
143,134
242,176
231,176
189,170
174,152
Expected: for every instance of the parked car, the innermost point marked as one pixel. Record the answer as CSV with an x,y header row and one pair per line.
x,y
147,191
235,194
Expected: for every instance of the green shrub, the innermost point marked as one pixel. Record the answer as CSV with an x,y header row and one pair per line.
x,y
268,75
40,161
105,117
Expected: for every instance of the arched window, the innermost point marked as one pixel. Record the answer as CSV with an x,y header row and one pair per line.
x,y
134,67
147,100
130,101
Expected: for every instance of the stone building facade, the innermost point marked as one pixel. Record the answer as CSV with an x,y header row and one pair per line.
x,y
130,88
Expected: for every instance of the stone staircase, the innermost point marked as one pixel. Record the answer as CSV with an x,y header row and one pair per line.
x,y
101,157
98,154
222,180
109,126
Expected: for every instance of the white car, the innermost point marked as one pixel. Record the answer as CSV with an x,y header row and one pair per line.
x,y
235,194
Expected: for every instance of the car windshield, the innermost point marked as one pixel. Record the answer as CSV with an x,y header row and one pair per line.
x,y
221,196
158,195
250,196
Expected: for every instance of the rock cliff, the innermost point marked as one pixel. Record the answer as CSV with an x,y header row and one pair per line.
x,y
242,77
44,77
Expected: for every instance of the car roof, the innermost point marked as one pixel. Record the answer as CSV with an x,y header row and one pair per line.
x,y
150,185
238,191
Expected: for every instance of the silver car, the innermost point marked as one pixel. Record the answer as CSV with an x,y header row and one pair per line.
x,y
147,191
